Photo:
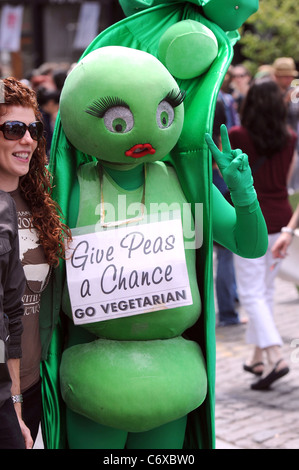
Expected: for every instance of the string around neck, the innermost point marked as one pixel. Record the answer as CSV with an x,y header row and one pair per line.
x,y
117,223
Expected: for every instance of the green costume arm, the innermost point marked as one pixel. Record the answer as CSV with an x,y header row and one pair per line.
x,y
235,170
245,221
241,229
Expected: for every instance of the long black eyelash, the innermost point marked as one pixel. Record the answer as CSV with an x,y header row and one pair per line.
x,y
100,106
175,97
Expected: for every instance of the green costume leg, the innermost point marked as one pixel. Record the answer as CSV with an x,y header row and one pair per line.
x,y
82,433
168,436
86,434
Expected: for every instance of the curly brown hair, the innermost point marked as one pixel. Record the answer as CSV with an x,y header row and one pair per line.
x,y
36,185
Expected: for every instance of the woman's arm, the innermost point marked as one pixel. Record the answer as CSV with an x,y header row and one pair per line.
x,y
14,372
279,249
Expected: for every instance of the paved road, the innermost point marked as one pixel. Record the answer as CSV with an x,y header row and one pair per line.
x,y
249,419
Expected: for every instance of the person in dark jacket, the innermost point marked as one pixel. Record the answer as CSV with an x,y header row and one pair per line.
x,y
13,432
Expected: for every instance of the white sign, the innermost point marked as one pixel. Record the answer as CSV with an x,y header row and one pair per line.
x,y
127,271
11,28
87,28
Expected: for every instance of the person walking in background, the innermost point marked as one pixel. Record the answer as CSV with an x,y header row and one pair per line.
x,y
48,101
225,283
47,81
13,432
285,73
264,71
240,83
24,175
271,148
230,106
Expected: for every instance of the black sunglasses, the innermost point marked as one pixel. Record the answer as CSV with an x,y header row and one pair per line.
x,y
15,130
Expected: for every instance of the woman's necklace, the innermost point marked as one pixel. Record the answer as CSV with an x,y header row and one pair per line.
x,y
120,222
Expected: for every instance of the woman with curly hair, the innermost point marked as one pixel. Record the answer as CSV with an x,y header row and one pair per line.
x,y
23,174
271,149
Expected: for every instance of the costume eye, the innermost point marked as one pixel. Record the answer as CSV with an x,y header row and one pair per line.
x,y
165,114
118,119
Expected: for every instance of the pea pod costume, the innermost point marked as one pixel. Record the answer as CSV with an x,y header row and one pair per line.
x,y
242,229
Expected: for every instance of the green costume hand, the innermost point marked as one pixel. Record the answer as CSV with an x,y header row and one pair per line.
x,y
235,169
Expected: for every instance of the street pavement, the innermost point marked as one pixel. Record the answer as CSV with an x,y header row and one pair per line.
x,y
250,419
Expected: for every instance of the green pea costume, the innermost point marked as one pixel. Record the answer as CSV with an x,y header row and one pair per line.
x,y
135,126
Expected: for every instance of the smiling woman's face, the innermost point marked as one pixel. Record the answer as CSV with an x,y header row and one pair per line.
x,y
122,106
15,155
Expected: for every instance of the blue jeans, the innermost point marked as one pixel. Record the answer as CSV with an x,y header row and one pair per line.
x,y
226,291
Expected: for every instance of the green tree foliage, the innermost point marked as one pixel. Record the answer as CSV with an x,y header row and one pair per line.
x,y
271,32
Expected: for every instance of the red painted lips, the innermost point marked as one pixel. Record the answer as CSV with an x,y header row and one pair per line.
x,y
140,150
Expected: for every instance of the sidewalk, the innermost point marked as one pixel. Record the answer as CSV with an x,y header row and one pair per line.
x,y
249,419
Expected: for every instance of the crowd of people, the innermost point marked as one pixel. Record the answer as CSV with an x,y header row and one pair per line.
x,y
262,115
268,109
47,81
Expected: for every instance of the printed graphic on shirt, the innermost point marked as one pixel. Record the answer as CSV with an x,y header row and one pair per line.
x,y
33,260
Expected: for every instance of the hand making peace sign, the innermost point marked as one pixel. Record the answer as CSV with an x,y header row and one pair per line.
x,y
235,169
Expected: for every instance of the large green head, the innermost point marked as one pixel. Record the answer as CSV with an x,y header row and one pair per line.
x,y
122,105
